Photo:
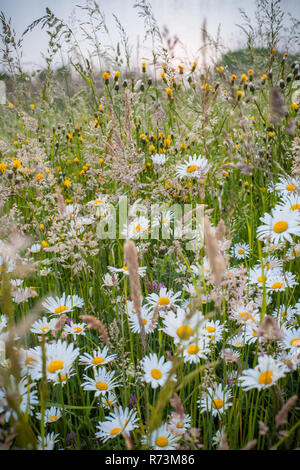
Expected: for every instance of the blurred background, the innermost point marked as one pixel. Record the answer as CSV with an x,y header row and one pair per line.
x,y
181,21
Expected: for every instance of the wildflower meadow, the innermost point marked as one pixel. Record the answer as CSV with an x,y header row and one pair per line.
x,y
150,237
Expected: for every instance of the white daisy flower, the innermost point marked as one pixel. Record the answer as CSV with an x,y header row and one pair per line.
x,y
50,440
165,298
22,393
75,329
194,167
161,439
251,333
287,186
244,313
98,357
280,225
240,250
64,304
60,357
164,221
201,269
181,328
179,424
43,326
133,319
156,370
290,202
108,400
141,270
51,415
108,280
198,349
238,341
291,339
264,375
138,228
280,282
215,401
285,314
212,330
217,438
103,382
159,159
118,421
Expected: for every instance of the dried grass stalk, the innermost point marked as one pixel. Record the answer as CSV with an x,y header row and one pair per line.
x,y
132,263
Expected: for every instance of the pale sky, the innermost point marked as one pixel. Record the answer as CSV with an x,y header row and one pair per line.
x,y
182,17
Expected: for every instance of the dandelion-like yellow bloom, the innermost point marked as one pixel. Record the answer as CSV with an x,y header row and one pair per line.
x,y
294,106
3,167
17,164
106,75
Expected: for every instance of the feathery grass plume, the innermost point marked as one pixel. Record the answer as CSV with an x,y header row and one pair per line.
x,y
216,260
59,324
175,402
132,263
223,443
155,316
250,445
127,120
263,428
278,109
281,417
221,231
95,324
60,202
269,329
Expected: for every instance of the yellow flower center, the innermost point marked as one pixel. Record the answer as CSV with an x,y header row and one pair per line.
x,y
295,343
162,441
265,378
125,268
107,403
61,309
115,431
156,374
295,207
138,228
52,418
163,301
97,360
101,386
210,329
193,349
98,202
77,329
144,321
45,328
241,251
261,278
280,226
185,332
217,403
291,187
180,424
62,378
277,285
191,168
29,360
54,366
